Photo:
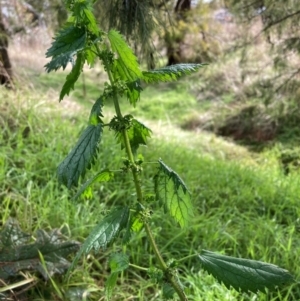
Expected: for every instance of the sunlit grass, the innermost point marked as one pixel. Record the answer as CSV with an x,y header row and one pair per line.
x,y
244,205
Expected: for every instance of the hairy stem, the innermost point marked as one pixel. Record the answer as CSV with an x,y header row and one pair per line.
x,y
138,188
163,265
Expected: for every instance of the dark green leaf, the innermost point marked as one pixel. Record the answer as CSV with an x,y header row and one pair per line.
x,y
127,61
68,42
102,176
137,134
104,233
96,112
24,256
73,76
173,194
134,91
81,157
60,61
244,274
168,291
170,73
12,235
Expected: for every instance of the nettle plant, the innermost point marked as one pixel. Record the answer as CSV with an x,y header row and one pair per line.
x,y
82,42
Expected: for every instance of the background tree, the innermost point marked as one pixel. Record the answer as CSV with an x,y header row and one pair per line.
x,y
6,74
173,39
278,22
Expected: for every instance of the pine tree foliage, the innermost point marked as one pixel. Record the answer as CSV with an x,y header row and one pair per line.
x,y
280,27
135,20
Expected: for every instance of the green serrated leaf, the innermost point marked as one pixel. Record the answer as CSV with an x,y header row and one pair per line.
x,y
172,193
96,112
73,76
118,262
244,274
102,176
90,55
92,24
168,291
137,223
88,193
81,157
67,43
170,73
82,12
104,233
133,92
12,235
127,61
60,61
138,134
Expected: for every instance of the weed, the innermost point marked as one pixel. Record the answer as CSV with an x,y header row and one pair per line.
x,y
82,41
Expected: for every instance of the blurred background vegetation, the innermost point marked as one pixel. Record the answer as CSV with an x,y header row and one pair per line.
x,y
231,131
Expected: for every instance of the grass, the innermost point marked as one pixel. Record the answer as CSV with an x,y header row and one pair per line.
x,y
244,203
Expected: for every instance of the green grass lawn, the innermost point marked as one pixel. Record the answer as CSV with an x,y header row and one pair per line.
x,y
244,204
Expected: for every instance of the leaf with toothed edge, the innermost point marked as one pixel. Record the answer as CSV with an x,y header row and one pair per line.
x,y
104,233
170,73
73,76
102,176
127,61
118,262
138,134
244,274
81,157
173,194
68,42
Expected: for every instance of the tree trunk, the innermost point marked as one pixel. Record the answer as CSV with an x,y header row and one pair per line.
x,y
174,43
6,75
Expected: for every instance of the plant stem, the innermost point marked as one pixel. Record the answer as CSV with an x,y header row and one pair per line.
x,y
163,265
187,257
138,188
138,267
